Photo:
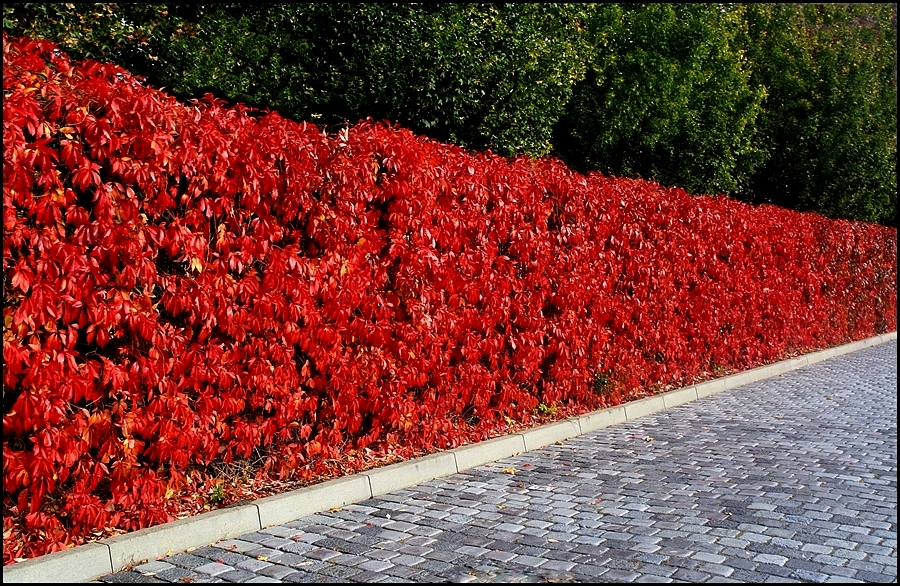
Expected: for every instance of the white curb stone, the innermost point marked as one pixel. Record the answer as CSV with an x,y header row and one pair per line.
x,y
642,407
551,433
679,397
600,419
710,387
79,564
289,506
488,451
409,473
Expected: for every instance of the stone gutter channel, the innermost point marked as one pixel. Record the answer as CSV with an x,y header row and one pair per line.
x,y
88,562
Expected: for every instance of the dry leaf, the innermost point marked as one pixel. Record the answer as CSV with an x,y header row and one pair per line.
x,y
334,509
262,558
509,470
648,439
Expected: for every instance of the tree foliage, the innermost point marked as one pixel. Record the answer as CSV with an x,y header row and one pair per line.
x,y
830,119
126,34
667,96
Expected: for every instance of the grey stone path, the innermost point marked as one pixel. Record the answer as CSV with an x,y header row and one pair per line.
x,y
790,479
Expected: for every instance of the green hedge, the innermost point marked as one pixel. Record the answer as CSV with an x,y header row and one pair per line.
x,y
830,120
667,96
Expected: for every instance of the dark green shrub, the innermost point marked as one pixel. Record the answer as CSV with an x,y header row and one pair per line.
x,y
667,96
830,120
126,34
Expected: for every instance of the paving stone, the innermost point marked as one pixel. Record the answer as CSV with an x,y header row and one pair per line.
x,y
810,576
690,575
130,577
375,565
322,554
153,567
620,576
237,576
187,561
717,569
867,576
407,560
529,560
277,572
708,557
865,566
816,548
832,560
402,574
174,574
253,565
774,570
381,554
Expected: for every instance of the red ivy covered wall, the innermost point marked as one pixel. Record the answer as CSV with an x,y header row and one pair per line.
x,y
186,284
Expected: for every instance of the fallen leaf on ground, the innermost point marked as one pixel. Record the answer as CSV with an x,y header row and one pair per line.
x,y
509,470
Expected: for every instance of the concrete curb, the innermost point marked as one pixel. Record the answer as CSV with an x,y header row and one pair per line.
x,y
94,560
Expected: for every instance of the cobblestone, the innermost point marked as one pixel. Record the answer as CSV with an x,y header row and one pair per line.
x,y
789,479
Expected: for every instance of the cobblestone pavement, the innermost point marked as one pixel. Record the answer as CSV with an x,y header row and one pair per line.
x,y
789,479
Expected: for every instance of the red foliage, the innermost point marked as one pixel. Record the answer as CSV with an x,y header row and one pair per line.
x,y
191,284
